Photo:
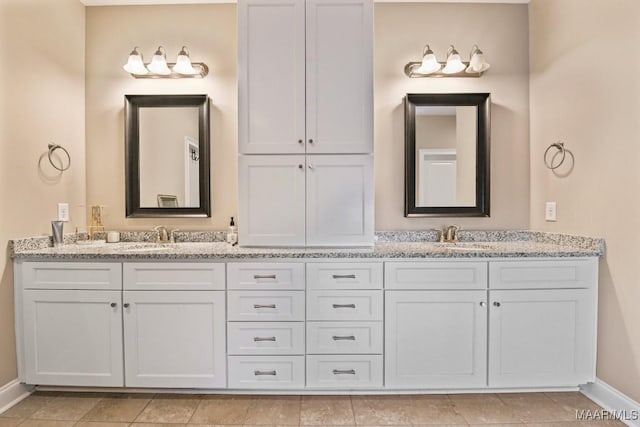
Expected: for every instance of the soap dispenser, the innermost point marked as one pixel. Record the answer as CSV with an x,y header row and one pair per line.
x,y
232,233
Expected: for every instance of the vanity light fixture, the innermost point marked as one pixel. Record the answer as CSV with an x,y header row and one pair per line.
x,y
453,67
159,68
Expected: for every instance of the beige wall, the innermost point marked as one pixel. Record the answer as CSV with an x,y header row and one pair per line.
x,y
209,31
41,100
584,90
401,31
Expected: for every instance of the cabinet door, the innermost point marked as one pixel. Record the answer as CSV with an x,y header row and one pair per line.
x,y
73,338
174,339
339,76
271,76
340,200
435,339
541,338
271,200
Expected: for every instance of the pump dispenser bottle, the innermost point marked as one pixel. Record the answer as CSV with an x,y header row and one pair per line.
x,y
232,233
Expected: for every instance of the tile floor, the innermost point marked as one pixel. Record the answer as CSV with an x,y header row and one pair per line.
x,y
51,409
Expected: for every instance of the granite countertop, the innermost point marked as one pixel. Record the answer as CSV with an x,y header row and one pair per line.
x,y
389,245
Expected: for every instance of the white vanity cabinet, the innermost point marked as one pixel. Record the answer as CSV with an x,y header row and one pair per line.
x,y
71,323
174,325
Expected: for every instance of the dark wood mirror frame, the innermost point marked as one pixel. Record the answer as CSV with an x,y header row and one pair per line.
x,y
132,154
480,100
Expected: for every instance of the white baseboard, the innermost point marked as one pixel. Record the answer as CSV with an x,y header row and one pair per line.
x,y
627,410
12,393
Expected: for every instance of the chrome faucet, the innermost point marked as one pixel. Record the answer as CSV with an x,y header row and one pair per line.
x,y
163,234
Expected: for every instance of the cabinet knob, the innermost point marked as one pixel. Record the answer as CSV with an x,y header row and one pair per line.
x,y
126,305
483,304
300,167
496,304
310,166
300,141
310,140
113,305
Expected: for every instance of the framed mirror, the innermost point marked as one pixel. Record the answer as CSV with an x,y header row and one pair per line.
x,y
167,156
447,154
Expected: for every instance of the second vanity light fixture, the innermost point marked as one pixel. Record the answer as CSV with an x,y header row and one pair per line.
x,y
453,67
158,68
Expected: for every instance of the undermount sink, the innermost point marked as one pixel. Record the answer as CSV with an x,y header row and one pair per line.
x,y
146,247
467,246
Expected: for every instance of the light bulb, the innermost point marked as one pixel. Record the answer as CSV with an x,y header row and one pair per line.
x,y
183,63
477,63
454,63
158,63
135,64
429,62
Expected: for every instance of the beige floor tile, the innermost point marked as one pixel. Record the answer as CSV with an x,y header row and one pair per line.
x,y
573,401
537,407
381,410
10,422
326,410
99,424
484,409
554,424
47,423
171,410
67,408
432,410
222,410
124,408
157,425
612,423
28,406
274,410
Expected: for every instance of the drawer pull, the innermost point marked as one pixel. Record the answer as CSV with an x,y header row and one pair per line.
x,y
262,373
344,372
264,276
264,306
344,338
344,276
344,306
257,339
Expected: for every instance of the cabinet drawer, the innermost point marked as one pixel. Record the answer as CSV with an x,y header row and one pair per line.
x,y
265,275
543,274
266,372
436,275
344,337
344,305
265,338
265,305
344,371
72,275
173,276
347,275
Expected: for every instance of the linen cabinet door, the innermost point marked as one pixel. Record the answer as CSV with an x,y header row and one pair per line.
x,y
73,338
175,339
340,200
271,76
339,76
271,200
541,338
435,339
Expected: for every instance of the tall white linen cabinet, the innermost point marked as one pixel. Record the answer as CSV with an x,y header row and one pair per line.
x,y
305,83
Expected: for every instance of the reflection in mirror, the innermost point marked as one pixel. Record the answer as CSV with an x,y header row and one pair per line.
x,y
447,154
167,146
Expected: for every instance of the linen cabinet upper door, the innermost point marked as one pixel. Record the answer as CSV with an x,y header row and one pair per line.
x,y
339,76
271,76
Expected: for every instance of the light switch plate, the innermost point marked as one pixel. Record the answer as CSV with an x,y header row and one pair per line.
x,y
550,211
63,212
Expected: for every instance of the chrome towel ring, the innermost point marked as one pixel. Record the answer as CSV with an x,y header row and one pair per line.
x,y
560,150
54,147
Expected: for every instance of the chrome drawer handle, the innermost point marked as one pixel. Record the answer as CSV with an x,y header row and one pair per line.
x,y
257,339
344,276
264,306
344,338
264,276
259,373
344,372
344,306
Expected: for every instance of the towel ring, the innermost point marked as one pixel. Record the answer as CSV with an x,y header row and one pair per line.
x,y
54,147
561,150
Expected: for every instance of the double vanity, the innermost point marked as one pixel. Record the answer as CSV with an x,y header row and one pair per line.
x,y
499,311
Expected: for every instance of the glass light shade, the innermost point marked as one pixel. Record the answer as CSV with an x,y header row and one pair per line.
x,y
183,63
429,64
454,63
134,64
158,63
478,64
